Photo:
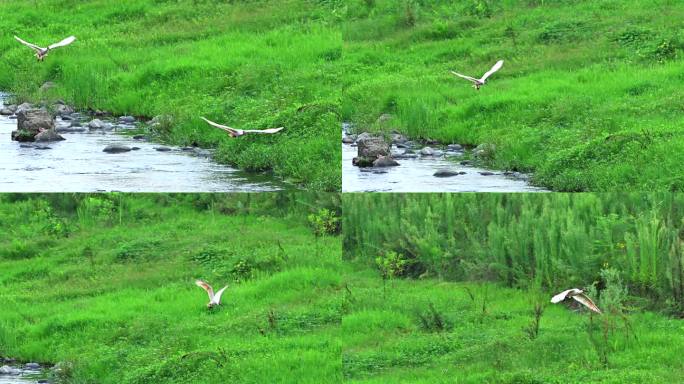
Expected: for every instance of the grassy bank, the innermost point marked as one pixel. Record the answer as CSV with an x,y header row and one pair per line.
x,y
455,288
105,283
249,64
589,98
430,331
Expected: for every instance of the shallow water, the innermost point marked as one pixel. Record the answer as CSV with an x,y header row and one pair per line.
x,y
416,175
23,378
79,165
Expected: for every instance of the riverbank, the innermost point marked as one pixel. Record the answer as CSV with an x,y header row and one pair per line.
x,y
580,101
105,284
248,65
423,167
110,153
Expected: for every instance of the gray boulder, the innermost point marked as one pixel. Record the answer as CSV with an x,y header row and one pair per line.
x,y
116,148
447,173
127,119
48,136
385,161
23,107
63,110
8,110
485,151
30,123
427,151
96,124
7,370
372,146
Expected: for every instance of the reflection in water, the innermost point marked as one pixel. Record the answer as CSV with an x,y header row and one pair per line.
x,y
79,165
417,175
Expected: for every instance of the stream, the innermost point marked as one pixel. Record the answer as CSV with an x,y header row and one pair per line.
x,y
78,164
417,175
18,376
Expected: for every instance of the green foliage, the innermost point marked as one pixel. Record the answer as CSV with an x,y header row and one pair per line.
x,y
619,241
117,302
324,222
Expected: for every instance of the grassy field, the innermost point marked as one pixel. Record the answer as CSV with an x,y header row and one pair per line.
x,y
106,284
455,288
249,64
589,98
431,331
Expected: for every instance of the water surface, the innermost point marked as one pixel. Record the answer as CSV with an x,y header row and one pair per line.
x,y
79,165
417,175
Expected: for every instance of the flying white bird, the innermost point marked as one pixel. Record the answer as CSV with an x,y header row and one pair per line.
x,y
477,83
214,298
239,132
579,296
42,52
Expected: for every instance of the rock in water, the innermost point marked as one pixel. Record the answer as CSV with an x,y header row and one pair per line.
x,y
427,151
7,370
116,148
371,146
385,161
127,119
448,173
30,122
96,124
32,366
162,149
49,135
485,151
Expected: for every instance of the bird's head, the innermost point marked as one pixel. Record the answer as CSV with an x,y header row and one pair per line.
x,y
211,305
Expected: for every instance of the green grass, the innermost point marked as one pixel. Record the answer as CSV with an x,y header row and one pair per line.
x,y
111,291
589,98
249,64
385,340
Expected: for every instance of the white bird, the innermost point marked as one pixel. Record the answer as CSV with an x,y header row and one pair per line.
x,y
477,83
579,296
42,52
239,132
214,298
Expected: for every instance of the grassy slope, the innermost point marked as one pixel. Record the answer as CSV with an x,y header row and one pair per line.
x,y
589,97
129,313
385,343
251,64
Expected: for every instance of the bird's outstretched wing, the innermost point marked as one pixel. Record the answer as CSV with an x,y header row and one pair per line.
x,y
206,287
561,296
217,297
264,131
464,76
495,68
587,302
219,126
26,43
63,43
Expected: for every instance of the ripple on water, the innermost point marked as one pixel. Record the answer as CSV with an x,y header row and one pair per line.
x,y
79,165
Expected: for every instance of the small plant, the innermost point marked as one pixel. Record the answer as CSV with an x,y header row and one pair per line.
x,y
532,329
324,222
242,270
410,15
391,264
432,320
